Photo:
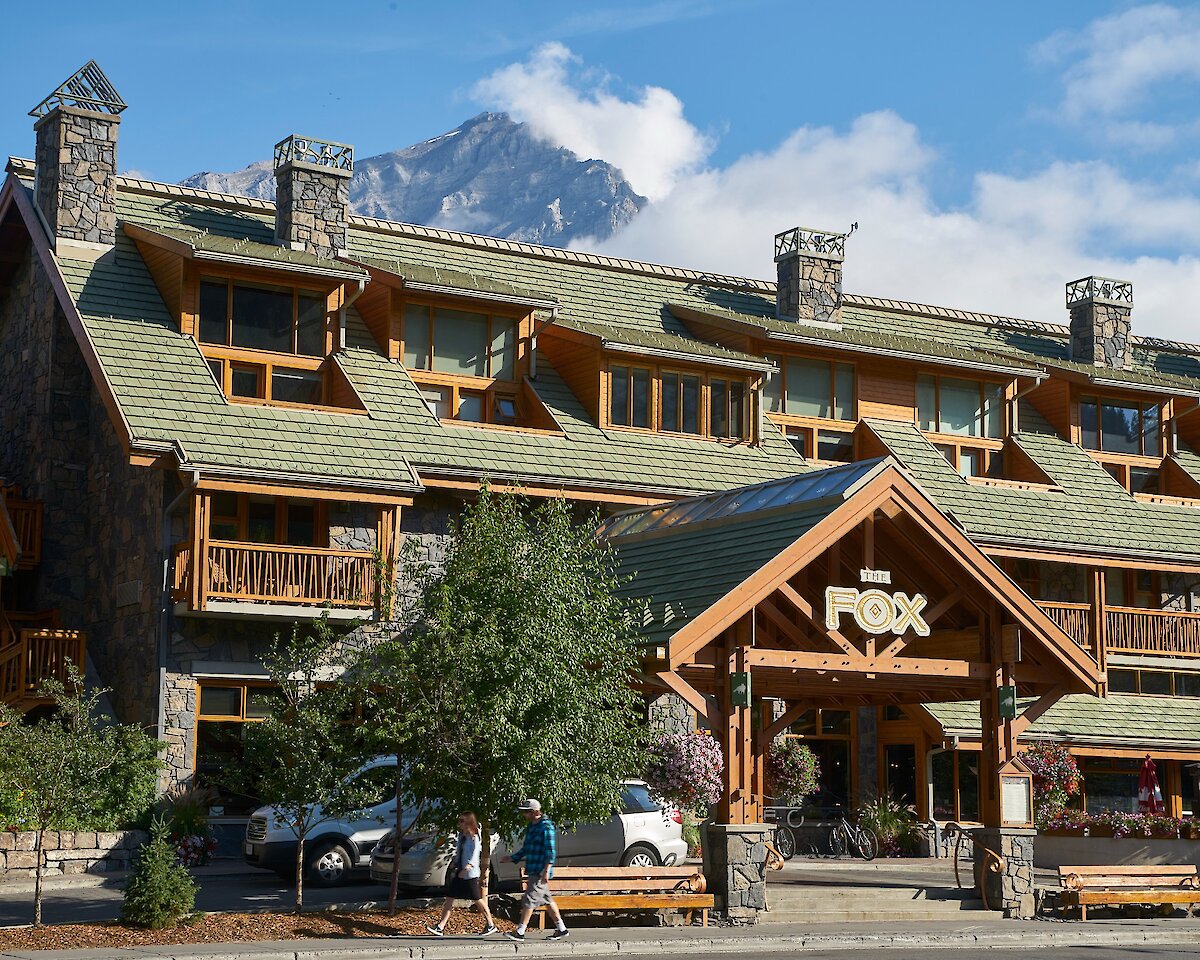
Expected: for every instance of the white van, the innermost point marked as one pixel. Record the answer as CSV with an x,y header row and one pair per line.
x,y
335,848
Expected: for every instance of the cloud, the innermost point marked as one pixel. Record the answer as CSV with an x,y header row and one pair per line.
x,y
1009,250
647,137
1117,63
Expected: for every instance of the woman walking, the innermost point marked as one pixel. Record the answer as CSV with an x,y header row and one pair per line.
x,y
463,883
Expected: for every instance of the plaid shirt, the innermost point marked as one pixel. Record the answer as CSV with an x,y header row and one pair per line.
x,y
539,849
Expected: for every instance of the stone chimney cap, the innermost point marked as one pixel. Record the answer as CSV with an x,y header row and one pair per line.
x,y
313,152
86,89
820,243
1102,289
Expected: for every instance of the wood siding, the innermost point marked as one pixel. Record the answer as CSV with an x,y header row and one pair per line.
x,y
887,391
1053,401
579,366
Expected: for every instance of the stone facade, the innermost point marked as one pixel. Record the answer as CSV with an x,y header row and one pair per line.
x,y
810,287
311,207
102,516
354,526
76,156
1062,583
866,721
68,852
735,866
1100,333
670,714
1011,889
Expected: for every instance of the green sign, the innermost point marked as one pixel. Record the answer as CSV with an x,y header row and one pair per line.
x,y
739,689
1008,703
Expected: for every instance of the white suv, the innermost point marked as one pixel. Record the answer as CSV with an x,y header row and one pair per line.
x,y
640,834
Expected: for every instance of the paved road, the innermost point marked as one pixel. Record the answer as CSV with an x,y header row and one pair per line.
x,y
261,889
1140,952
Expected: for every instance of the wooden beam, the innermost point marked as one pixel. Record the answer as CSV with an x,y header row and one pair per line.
x,y
811,616
785,720
690,695
1037,709
779,620
858,664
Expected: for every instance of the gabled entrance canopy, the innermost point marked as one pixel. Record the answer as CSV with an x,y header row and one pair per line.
x,y
840,588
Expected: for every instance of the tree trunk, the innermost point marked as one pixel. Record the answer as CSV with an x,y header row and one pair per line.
x,y
37,877
394,887
485,857
299,874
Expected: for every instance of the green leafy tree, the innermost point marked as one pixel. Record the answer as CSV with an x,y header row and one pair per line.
x,y
515,677
160,892
64,767
303,757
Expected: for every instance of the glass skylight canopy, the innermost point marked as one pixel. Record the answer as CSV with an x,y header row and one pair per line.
x,y
803,488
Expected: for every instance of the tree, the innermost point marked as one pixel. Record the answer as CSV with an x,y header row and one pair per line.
x,y
73,767
515,678
160,892
302,757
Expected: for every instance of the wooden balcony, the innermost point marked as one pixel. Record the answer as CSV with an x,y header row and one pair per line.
x,y
1131,629
237,577
30,656
26,517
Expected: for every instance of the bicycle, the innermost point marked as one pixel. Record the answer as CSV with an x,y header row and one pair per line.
x,y
785,837
846,836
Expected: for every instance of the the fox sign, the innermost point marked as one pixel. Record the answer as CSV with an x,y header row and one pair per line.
x,y
876,611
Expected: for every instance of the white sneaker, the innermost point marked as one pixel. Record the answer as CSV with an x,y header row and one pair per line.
x,y
436,931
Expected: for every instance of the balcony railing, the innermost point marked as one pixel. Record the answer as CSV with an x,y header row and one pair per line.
x,y
266,573
35,656
1131,629
26,516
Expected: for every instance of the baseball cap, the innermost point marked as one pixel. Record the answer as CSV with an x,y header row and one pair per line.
x,y
530,805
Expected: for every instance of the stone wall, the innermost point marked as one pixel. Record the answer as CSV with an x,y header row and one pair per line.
x,y
101,550
1062,583
68,852
1181,591
1011,888
354,526
311,207
1100,333
810,288
76,156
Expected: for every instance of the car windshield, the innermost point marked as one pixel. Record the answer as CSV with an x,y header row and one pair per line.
x,y
376,785
635,798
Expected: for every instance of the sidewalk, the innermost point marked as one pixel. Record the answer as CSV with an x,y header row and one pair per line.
x,y
664,941
223,868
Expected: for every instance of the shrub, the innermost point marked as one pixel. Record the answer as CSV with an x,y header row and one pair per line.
x,y
160,893
685,769
793,772
187,812
1056,779
894,823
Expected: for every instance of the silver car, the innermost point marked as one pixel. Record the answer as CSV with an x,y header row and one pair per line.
x,y
640,834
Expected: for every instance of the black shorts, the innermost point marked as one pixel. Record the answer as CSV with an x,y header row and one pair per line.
x,y
462,889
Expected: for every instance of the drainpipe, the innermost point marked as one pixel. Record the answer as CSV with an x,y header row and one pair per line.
x,y
166,611
346,304
933,752
1016,400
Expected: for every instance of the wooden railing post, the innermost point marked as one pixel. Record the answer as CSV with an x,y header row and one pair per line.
x,y
1098,619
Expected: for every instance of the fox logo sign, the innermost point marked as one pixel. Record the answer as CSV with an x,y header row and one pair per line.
x,y
876,611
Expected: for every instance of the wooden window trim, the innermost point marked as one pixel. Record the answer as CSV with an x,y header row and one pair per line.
x,y
325,292
1003,386
320,519
1137,459
751,402
520,321
782,416
244,686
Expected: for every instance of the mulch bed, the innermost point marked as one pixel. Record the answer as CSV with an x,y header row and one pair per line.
x,y
233,927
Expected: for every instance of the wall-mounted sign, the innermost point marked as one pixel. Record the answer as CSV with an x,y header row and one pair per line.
x,y
876,611
739,689
1008,702
875,576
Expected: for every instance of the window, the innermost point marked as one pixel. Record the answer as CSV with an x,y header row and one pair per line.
x,y
1154,683
1133,588
1120,426
815,443
252,518
261,317
956,785
1109,783
822,389
635,798
727,409
629,397
633,392
224,708
680,408
459,342
969,408
972,461
829,733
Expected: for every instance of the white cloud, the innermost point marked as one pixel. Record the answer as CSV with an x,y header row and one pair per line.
x,y
1009,250
1116,63
648,137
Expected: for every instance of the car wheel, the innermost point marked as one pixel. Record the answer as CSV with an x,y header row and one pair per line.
x,y
641,855
330,865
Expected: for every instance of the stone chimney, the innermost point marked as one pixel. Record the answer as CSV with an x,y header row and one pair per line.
x,y
312,194
1100,328
76,158
809,268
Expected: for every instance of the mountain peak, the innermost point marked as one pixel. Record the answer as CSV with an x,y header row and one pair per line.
x,y
489,175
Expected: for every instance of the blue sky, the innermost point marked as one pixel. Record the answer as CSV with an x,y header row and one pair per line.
x,y
990,152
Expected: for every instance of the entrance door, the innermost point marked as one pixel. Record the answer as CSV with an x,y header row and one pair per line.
x,y
900,771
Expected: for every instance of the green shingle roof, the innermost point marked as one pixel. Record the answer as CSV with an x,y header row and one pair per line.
x,y
1163,721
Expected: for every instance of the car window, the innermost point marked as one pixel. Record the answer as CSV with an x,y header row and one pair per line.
x,y
378,784
635,798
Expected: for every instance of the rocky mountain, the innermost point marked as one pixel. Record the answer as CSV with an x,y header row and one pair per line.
x,y
490,176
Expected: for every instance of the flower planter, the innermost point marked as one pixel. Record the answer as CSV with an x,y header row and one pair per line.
x,y
1066,832
1191,832
1100,831
1052,850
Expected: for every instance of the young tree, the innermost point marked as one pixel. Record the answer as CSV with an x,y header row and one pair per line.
x,y
516,678
302,757
73,767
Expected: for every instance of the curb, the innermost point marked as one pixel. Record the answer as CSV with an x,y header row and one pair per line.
x,y
1117,935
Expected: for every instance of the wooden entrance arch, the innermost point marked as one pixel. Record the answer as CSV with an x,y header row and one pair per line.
x,y
847,588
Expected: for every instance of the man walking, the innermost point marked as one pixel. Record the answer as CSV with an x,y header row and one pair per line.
x,y
538,852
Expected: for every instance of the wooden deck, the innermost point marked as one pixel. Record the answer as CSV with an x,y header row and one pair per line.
x,y
1131,629
30,656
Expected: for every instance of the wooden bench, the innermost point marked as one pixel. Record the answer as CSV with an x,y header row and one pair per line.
x,y
579,889
1112,885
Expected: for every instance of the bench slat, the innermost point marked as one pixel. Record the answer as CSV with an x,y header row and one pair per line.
x,y
631,873
585,884
600,901
1147,883
1133,896
1163,870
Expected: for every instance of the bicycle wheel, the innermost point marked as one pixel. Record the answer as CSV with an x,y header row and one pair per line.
x,y
837,841
785,842
866,843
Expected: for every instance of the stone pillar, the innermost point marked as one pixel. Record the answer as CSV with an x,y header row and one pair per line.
x,y
1009,889
865,719
735,866
808,265
76,158
1100,311
312,194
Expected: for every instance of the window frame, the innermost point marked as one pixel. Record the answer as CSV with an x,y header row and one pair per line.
x,y
1141,457
967,439
704,379
230,280
432,306
780,377
242,519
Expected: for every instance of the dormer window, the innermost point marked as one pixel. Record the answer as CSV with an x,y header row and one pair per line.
x,y
459,342
1120,426
671,401
261,317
